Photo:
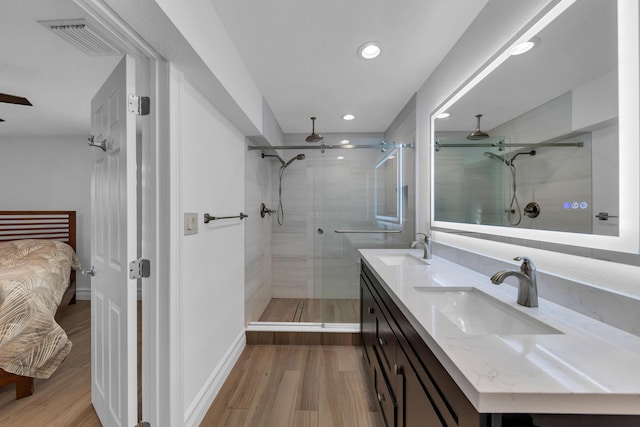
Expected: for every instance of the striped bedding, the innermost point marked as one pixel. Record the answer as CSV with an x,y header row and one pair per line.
x,y
33,277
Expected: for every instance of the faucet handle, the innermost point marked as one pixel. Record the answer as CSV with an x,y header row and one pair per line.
x,y
426,236
527,263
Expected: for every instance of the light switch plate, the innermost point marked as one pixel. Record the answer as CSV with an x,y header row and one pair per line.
x,y
190,223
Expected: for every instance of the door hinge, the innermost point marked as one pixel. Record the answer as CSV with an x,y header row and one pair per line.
x,y
139,105
139,268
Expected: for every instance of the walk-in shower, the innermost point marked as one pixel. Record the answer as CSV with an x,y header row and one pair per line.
x,y
514,214
304,275
283,166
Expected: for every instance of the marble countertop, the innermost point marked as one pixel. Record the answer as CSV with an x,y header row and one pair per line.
x,y
587,368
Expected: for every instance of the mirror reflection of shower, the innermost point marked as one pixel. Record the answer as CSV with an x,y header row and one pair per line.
x,y
283,166
514,216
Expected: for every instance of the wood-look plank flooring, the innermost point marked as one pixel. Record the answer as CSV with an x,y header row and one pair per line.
x,y
312,310
65,398
274,385
282,386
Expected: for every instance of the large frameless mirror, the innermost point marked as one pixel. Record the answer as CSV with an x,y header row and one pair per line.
x,y
534,146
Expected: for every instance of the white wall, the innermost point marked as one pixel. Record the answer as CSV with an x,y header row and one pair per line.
x,y
211,175
51,174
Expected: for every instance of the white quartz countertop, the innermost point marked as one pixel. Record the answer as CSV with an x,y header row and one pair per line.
x,y
587,368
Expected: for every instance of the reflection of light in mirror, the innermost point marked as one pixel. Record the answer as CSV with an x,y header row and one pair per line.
x,y
348,117
525,47
528,35
443,116
344,142
340,157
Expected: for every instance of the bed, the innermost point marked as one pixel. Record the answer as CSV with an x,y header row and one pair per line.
x,y
37,278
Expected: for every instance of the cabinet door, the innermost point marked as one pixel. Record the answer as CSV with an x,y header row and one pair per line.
x,y
367,319
414,404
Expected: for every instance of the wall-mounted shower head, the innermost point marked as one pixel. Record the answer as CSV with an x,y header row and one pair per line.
x,y
497,157
298,157
274,155
531,153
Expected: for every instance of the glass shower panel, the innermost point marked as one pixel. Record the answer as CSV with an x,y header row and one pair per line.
x,y
344,221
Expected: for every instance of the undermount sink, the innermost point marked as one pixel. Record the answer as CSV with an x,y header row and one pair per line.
x,y
476,313
402,259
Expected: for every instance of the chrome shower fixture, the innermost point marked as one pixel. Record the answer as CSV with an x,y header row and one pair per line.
x,y
298,157
497,157
478,134
274,155
314,137
283,165
531,153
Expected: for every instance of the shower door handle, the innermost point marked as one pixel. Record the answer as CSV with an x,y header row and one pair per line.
x,y
366,231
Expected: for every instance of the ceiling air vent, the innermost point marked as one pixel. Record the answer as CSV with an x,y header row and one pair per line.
x,y
81,35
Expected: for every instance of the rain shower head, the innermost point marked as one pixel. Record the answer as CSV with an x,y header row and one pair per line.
x,y
314,137
298,157
478,134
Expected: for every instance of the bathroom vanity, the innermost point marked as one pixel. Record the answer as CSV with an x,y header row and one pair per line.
x,y
445,347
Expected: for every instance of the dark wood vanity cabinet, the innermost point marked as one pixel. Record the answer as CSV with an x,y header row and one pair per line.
x,y
414,390
411,386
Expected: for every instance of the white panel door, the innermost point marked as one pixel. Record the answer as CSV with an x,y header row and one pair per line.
x,y
113,208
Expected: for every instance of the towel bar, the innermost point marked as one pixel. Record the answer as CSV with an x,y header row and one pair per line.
x,y
208,217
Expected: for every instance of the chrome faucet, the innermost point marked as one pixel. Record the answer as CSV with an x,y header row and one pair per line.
x,y
426,244
527,285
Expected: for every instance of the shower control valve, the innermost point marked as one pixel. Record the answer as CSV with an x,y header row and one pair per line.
x,y
264,210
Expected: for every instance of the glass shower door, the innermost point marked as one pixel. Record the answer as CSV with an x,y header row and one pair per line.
x,y
344,221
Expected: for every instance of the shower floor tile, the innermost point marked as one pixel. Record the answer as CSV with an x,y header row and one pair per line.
x,y
312,310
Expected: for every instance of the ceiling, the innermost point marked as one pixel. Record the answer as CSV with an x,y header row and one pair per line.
x,y
302,55
56,77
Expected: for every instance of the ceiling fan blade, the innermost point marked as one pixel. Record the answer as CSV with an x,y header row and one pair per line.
x,y
11,99
1,120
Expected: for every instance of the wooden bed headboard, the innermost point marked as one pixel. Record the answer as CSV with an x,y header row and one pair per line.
x,y
55,225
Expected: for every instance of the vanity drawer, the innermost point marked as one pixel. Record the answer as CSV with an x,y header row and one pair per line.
x,y
386,344
384,395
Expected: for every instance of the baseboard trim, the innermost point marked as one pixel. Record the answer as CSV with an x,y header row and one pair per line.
x,y
302,338
83,294
201,404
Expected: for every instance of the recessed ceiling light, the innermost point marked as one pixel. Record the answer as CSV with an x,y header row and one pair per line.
x,y
369,50
443,116
340,157
344,142
348,117
525,47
